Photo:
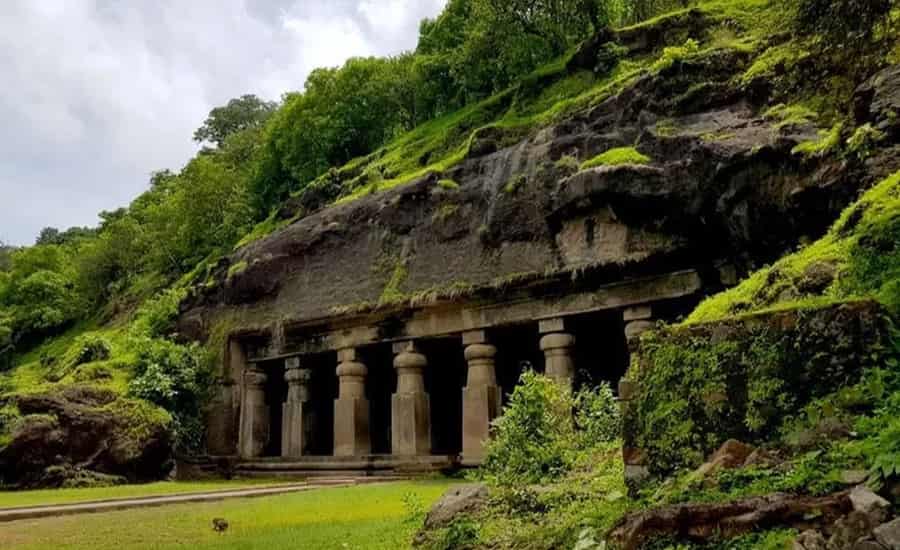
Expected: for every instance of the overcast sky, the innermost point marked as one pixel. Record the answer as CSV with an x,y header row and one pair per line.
x,y
97,94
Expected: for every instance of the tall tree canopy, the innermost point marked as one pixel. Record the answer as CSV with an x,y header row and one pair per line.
x,y
247,111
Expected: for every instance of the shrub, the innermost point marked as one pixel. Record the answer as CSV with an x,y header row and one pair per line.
x,y
176,378
531,439
597,416
157,316
544,431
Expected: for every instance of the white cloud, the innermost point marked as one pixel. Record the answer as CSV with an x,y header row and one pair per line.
x,y
97,94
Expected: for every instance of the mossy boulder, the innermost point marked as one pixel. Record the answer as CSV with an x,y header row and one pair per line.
x,y
83,432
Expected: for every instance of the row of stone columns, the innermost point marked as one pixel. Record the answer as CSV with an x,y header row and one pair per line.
x,y
410,405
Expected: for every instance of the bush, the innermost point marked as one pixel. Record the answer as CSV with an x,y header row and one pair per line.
x,y
545,429
597,416
157,316
176,378
531,439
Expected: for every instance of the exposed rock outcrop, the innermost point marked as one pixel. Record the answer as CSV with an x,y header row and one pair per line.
x,y
704,522
83,435
722,185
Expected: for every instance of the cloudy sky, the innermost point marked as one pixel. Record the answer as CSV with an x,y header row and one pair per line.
x,y
97,94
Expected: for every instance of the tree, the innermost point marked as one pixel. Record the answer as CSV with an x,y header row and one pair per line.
x,y
48,235
247,111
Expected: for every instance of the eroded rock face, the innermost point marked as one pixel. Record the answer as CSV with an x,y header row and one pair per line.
x,y
83,433
722,184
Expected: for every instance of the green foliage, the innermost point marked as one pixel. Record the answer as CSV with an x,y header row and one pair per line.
x,y
87,348
156,317
568,164
448,184
863,141
545,429
530,439
177,378
242,113
790,115
615,157
461,534
673,54
514,184
828,141
597,418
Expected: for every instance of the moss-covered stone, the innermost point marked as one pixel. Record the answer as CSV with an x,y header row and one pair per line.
x,y
697,386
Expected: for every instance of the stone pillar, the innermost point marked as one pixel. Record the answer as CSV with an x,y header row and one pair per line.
x,y
351,409
297,420
557,347
254,433
410,406
481,396
638,320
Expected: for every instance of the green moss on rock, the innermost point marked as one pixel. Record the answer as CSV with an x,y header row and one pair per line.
x,y
617,156
698,386
858,258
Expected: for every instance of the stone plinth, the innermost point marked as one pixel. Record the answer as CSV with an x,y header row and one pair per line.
x,y
254,433
559,365
351,408
481,400
410,406
297,415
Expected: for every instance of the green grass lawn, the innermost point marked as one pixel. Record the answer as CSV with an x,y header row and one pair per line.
x,y
44,497
362,517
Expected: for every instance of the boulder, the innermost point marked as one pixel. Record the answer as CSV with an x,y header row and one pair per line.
x,y
810,540
867,502
888,534
705,522
82,435
463,499
851,529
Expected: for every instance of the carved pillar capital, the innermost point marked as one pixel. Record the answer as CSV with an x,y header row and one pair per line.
x,y
255,378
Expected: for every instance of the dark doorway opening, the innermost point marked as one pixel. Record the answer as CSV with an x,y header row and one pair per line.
x,y
445,377
323,391
276,393
601,353
381,383
518,349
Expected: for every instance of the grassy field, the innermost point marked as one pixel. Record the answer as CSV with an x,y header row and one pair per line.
x,y
363,517
45,497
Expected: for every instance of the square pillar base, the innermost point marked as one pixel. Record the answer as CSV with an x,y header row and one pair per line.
x,y
296,430
254,431
481,405
351,427
410,424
